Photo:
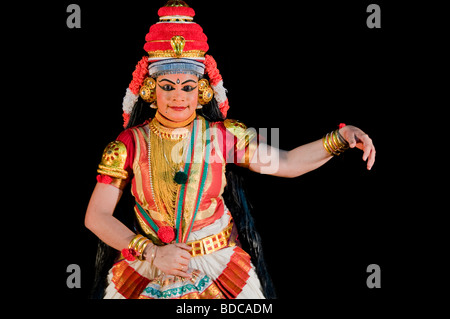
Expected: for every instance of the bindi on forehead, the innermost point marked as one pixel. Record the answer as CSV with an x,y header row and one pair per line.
x,y
178,81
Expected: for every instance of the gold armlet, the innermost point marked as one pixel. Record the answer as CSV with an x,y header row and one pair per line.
x,y
113,160
238,129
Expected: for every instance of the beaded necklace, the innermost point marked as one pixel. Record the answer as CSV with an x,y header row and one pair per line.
x,y
166,173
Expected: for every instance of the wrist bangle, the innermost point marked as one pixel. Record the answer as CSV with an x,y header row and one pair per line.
x,y
136,247
341,143
334,143
134,240
141,249
342,139
331,144
325,145
139,243
145,254
154,254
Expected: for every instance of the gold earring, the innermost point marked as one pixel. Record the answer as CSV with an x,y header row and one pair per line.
x,y
148,90
205,92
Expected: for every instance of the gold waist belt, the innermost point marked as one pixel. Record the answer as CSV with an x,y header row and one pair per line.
x,y
211,243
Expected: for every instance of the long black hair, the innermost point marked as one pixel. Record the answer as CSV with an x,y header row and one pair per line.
x,y
235,199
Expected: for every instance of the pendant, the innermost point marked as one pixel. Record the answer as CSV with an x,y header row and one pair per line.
x,y
180,177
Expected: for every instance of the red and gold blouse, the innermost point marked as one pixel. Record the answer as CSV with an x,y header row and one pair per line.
x,y
143,154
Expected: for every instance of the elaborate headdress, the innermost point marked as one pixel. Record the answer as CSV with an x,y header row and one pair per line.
x,y
175,44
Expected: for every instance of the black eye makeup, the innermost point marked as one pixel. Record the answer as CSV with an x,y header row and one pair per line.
x,y
171,86
188,88
166,87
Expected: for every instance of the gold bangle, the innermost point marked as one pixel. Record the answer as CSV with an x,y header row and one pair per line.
x,y
154,254
142,257
152,257
333,147
325,145
329,146
334,140
138,247
339,146
342,142
334,143
342,139
139,243
142,249
133,241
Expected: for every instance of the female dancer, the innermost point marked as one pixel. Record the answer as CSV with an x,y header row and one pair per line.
x,y
191,218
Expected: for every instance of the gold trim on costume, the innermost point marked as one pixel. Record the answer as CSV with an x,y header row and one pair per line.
x,y
176,19
172,54
168,41
211,243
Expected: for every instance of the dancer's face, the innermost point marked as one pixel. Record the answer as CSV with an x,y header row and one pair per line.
x,y
177,96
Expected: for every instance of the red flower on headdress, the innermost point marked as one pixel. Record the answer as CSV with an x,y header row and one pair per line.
x,y
212,70
139,75
215,79
166,234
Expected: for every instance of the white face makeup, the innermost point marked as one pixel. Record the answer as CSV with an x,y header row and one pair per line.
x,y
177,96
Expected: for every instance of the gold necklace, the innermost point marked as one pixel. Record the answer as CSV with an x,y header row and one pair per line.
x,y
168,133
166,149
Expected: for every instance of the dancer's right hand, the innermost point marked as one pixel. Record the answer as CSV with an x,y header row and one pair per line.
x,y
173,259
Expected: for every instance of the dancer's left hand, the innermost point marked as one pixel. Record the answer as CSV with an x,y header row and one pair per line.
x,y
357,138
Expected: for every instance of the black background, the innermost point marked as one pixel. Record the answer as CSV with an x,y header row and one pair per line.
x,y
300,67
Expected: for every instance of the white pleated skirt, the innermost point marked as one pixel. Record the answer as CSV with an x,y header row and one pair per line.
x,y
226,273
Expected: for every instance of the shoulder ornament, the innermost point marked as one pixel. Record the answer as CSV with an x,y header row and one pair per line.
x,y
240,130
113,160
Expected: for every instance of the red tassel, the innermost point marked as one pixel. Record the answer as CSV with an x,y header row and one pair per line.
x,y
129,254
224,108
166,234
104,179
126,119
